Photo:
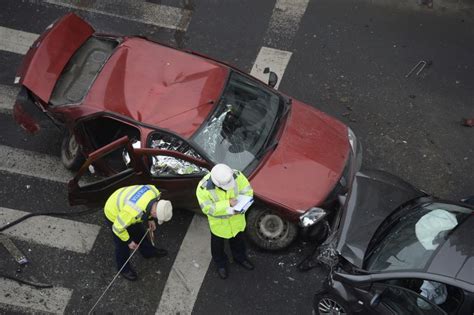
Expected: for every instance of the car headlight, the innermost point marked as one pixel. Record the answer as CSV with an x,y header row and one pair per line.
x,y
312,216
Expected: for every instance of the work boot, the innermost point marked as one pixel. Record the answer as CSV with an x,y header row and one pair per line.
x,y
223,273
157,252
246,264
129,274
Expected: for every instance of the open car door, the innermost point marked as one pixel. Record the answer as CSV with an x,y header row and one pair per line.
x,y
175,174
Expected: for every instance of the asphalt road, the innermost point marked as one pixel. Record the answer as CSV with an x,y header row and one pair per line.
x,y
348,59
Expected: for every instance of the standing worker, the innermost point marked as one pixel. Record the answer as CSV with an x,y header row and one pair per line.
x,y
217,194
126,209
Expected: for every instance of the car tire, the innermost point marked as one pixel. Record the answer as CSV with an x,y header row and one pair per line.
x,y
268,230
330,304
71,153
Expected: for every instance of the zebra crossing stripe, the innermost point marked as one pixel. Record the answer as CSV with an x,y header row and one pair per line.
x,y
275,59
188,271
132,10
51,231
16,41
33,164
284,23
7,98
23,298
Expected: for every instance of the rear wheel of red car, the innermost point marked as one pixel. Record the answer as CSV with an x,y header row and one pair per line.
x,y
268,230
330,304
71,155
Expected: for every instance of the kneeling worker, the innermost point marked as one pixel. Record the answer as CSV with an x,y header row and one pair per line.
x,y
126,209
217,194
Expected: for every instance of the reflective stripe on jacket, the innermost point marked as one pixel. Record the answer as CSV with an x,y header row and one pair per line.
x,y
127,206
214,202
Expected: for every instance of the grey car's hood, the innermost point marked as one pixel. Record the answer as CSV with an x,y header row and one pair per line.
x,y
374,196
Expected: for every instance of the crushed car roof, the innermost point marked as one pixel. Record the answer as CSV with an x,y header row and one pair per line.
x,y
158,85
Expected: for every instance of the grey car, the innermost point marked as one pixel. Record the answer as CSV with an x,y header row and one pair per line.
x,y
396,250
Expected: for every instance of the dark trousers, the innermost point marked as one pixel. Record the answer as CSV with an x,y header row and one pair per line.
x,y
237,247
122,252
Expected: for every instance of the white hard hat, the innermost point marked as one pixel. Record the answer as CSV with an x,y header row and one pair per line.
x,y
164,211
223,176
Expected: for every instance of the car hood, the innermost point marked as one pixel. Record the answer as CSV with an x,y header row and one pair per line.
x,y
158,85
307,163
374,196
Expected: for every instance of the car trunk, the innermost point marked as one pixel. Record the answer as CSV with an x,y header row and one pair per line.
x,y
49,54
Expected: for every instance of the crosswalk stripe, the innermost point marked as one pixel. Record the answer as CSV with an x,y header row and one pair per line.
x,y
188,271
7,98
33,164
137,11
27,299
51,231
16,41
284,23
276,59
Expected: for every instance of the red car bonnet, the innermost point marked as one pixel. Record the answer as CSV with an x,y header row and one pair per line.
x,y
308,161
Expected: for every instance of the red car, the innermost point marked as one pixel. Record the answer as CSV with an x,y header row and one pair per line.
x,y
136,111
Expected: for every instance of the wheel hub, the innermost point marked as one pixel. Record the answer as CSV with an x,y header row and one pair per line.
x,y
330,307
272,226
72,145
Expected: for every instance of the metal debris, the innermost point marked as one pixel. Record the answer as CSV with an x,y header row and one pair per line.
x,y
421,65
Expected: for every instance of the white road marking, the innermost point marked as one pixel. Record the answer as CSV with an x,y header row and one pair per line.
x,y
51,231
275,59
33,164
7,98
15,41
188,271
284,22
30,300
137,11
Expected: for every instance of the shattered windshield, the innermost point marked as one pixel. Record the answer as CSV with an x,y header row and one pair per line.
x,y
413,239
243,120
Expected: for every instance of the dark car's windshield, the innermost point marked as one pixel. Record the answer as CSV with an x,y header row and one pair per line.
x,y
412,240
243,121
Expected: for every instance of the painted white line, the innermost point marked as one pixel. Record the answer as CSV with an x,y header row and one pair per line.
x,y
188,271
15,41
132,10
284,22
51,231
34,164
25,298
275,59
8,95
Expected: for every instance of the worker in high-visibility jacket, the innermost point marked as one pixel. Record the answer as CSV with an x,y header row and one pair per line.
x,y
217,194
126,209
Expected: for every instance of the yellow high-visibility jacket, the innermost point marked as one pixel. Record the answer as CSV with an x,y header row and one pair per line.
x,y
214,202
129,205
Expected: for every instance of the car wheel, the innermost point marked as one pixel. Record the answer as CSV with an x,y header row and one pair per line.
x,y
330,304
268,230
71,155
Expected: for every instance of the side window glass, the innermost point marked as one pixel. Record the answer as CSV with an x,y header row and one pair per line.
x,y
403,301
162,165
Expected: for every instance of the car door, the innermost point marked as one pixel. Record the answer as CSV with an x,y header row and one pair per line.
x,y
132,166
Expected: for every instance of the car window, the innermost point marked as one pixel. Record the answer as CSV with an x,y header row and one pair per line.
x,y
449,298
412,239
403,301
242,123
162,165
